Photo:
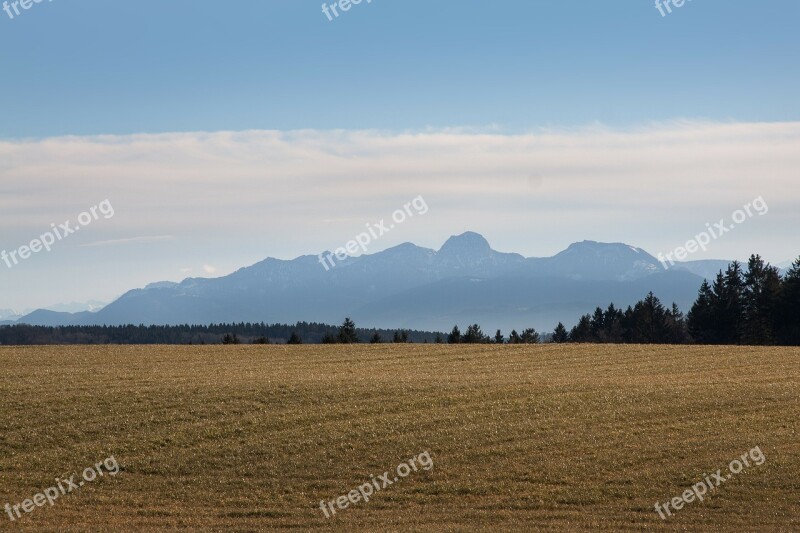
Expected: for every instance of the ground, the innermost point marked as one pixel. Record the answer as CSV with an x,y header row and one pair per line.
x,y
521,438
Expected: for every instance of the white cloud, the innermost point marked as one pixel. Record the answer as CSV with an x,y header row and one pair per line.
x,y
286,193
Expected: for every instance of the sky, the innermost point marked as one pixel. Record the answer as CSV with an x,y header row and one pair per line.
x,y
223,133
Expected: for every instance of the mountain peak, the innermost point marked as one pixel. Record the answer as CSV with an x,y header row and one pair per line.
x,y
466,242
602,260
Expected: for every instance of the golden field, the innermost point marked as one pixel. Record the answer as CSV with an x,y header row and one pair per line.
x,y
523,438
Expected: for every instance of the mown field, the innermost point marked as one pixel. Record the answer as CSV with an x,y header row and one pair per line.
x,y
522,438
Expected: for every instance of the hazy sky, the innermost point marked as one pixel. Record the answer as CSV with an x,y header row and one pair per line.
x,y
225,133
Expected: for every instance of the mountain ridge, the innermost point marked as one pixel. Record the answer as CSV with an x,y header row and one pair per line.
x,y
389,286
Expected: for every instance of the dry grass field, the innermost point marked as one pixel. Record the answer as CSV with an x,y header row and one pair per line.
x,y
537,438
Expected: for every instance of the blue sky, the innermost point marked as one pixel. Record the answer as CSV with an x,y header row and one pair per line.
x,y
89,67
224,133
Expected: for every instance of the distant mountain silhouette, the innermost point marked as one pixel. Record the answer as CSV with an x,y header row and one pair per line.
x,y
410,287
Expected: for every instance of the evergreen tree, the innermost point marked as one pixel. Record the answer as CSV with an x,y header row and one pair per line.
x,y
400,337
730,307
261,340
701,319
613,330
230,339
514,337
560,334
649,321
582,331
294,338
455,336
530,336
499,338
474,335
676,325
789,307
762,295
376,338
597,325
347,332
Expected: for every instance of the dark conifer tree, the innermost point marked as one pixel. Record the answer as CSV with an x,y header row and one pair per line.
x,y
347,332
762,295
582,331
560,334
701,319
455,336
530,336
474,335
789,307
499,338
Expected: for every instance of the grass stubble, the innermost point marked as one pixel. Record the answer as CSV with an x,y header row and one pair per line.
x,y
523,438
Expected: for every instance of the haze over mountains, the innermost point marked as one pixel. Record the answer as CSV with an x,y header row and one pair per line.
x,y
408,286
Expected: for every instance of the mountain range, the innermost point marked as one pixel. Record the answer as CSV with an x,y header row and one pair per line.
x,y
408,286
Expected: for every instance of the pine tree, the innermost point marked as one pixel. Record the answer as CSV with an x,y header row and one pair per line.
x,y
499,338
762,288
613,330
701,321
230,339
455,336
560,334
789,307
582,331
530,336
376,338
730,305
597,326
676,326
294,338
649,324
347,332
474,335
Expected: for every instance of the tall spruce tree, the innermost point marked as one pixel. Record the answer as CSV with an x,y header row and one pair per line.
x,y
701,318
474,335
762,288
789,307
455,336
530,336
347,332
560,335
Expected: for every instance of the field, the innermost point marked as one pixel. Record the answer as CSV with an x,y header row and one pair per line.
x,y
536,438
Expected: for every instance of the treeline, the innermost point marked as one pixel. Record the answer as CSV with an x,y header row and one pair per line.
x,y
242,333
754,307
